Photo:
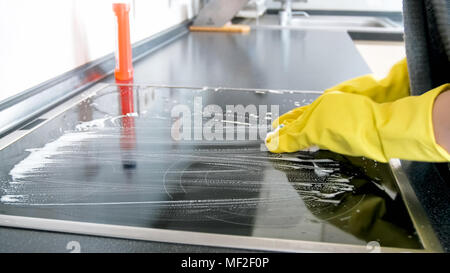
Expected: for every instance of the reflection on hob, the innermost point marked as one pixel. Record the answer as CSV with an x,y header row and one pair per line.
x,y
119,164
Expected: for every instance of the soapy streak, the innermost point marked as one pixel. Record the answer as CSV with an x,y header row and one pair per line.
x,y
199,202
10,198
148,158
43,157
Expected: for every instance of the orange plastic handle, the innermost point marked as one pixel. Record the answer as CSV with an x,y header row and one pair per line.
x,y
124,58
128,133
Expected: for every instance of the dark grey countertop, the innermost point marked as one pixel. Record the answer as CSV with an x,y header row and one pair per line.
x,y
271,59
264,58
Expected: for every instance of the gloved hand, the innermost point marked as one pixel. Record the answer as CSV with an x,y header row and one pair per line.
x,y
394,86
356,125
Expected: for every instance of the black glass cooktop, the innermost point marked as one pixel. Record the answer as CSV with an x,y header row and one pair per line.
x,y
194,160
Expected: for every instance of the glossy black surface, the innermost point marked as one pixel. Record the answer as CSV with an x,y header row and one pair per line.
x,y
117,158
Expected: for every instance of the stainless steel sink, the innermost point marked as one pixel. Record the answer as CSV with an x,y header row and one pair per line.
x,y
302,20
346,22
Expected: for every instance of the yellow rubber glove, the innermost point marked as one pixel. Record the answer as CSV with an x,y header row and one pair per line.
x,y
355,125
394,86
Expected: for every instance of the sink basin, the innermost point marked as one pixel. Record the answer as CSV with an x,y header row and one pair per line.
x,y
359,27
342,22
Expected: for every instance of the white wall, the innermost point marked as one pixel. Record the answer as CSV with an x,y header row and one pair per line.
x,y
42,39
368,5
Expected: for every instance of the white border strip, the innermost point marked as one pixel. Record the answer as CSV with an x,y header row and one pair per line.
x,y
187,237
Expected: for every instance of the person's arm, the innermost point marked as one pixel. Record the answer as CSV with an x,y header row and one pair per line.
x,y
441,120
355,125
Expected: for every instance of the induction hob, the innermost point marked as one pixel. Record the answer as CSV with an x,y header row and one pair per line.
x,y
188,165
